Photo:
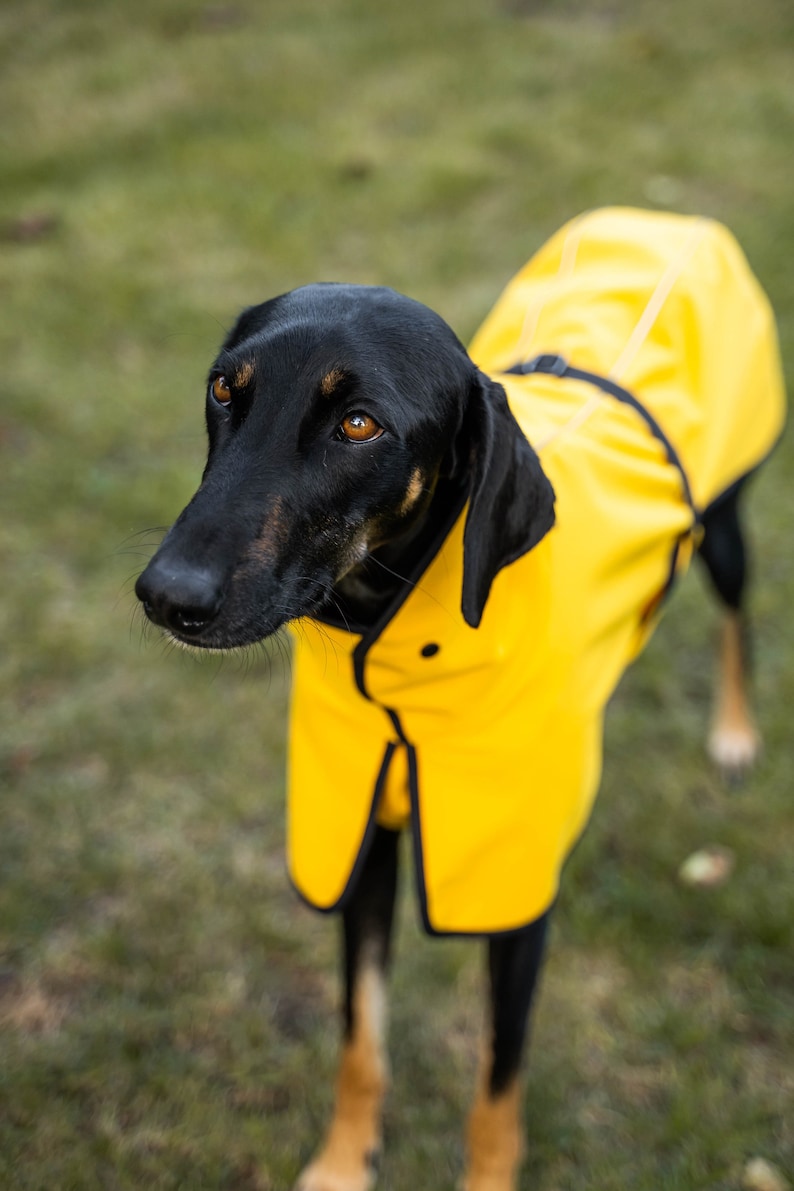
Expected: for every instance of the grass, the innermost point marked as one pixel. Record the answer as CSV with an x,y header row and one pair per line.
x,y
166,1007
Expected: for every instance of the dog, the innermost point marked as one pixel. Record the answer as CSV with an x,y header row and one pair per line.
x,y
472,548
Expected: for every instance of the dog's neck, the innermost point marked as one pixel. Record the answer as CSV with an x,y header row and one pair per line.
x,y
362,595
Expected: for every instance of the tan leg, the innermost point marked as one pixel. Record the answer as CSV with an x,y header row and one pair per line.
x,y
495,1133
347,1160
734,742
495,1138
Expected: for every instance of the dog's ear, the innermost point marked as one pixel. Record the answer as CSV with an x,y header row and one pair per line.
x,y
511,506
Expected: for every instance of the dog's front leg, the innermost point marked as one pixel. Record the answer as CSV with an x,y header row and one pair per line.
x,y
495,1137
347,1160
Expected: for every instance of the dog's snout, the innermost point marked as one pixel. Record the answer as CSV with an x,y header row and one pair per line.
x,y
179,596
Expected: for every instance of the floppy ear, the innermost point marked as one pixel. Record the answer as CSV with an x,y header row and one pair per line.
x,y
511,506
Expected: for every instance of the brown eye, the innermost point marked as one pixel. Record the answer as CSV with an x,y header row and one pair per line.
x,y
221,391
360,427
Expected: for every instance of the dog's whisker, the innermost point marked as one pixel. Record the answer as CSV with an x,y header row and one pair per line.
x,y
152,536
415,585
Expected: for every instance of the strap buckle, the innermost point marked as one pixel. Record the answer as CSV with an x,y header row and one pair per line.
x,y
548,362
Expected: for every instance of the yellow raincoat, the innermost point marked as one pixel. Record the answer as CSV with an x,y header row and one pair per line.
x,y
488,740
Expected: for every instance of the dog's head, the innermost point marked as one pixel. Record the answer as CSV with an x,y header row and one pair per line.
x,y
333,412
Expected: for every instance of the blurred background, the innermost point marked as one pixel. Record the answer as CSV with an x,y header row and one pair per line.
x,y
166,1006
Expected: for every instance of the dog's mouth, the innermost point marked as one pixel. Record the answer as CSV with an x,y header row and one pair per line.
x,y
193,645
216,638
233,620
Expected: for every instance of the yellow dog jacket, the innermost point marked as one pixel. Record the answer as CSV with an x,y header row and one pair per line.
x,y
488,740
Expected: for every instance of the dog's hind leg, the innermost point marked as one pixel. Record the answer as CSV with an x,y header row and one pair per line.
x,y
495,1136
348,1159
734,742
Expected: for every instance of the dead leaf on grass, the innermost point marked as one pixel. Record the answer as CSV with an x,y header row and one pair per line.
x,y
708,867
25,229
760,1175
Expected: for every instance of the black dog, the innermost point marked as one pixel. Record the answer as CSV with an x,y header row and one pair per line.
x,y
348,431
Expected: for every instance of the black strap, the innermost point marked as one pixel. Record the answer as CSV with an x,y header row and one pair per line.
x,y
555,365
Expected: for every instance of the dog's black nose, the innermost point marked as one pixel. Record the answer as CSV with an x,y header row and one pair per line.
x,y
178,596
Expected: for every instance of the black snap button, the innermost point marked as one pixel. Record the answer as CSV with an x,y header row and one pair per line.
x,y
430,650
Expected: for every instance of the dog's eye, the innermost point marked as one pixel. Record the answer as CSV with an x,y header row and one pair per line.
x,y
359,427
221,391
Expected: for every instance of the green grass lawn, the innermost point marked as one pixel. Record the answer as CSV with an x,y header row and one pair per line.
x,y
166,1005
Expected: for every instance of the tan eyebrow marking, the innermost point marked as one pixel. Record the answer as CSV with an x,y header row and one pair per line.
x,y
331,381
413,492
243,374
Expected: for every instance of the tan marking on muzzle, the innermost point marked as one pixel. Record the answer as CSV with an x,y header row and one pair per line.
x,y
264,548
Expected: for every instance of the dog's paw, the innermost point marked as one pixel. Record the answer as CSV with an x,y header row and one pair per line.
x,y
734,750
332,1173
